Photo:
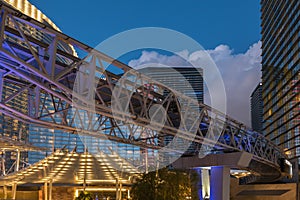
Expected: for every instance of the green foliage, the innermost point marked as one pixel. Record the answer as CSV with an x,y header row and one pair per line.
x,y
84,196
165,185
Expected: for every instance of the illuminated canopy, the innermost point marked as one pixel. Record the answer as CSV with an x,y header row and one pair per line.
x,y
71,168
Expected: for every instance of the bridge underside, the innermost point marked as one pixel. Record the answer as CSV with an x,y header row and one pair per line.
x,y
260,172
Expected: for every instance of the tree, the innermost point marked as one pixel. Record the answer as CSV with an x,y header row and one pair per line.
x,y
84,195
165,185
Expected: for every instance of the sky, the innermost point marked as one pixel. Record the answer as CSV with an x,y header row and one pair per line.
x,y
229,31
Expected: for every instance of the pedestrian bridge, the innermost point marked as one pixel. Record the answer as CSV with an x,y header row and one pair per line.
x,y
88,96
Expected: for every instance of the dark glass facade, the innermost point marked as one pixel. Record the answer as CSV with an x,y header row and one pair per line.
x,y
257,109
281,73
186,80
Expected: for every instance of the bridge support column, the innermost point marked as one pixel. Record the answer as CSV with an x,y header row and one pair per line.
x,y
220,183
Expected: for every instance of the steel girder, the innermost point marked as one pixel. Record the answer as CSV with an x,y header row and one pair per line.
x,y
42,63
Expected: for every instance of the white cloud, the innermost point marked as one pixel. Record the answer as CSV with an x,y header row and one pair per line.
x,y
240,72
154,57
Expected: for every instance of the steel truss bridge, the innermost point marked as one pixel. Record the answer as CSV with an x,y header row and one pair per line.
x,y
41,62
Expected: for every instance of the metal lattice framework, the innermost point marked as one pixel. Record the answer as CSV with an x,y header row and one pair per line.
x,y
41,62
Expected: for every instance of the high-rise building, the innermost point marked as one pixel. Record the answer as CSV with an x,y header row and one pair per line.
x,y
9,127
38,136
187,80
257,109
281,73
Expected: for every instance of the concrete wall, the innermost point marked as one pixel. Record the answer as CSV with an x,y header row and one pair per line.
x,y
263,191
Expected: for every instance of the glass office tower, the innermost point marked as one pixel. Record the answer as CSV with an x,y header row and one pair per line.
x,y
11,127
38,136
257,109
281,73
183,79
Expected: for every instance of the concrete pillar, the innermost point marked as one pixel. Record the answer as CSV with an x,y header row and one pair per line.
x,y
220,183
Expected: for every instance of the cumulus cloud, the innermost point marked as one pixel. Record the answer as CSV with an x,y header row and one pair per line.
x,y
240,72
155,57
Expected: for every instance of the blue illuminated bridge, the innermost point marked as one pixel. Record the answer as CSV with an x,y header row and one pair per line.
x,y
88,99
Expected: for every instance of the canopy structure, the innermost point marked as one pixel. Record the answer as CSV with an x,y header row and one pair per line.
x,y
72,168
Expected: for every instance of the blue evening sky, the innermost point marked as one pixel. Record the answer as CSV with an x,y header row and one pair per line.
x,y
225,24
210,22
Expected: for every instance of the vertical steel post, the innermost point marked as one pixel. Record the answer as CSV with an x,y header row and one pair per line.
x,y
117,189
14,190
3,163
146,159
46,190
17,165
128,194
45,184
50,189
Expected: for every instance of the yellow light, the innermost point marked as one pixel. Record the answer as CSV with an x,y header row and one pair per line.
x,y
101,189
